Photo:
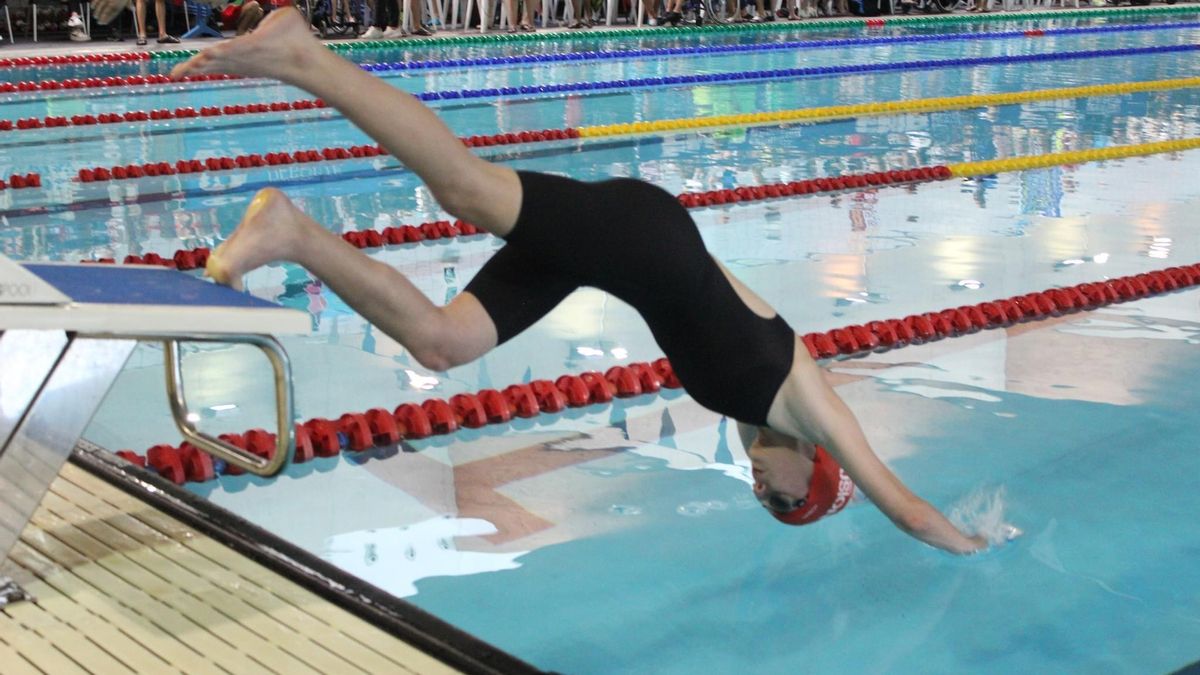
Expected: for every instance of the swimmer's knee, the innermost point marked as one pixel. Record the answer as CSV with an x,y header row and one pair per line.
x,y
446,342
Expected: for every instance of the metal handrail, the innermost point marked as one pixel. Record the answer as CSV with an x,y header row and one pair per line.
x,y
285,442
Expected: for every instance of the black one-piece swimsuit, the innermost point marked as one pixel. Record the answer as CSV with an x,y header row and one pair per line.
x,y
635,241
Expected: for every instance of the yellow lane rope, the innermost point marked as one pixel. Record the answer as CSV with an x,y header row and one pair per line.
x,y
1072,157
885,108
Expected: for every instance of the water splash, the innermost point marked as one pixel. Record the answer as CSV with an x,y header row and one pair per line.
x,y
982,512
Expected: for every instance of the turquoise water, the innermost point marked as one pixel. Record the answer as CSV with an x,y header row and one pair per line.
x,y
625,538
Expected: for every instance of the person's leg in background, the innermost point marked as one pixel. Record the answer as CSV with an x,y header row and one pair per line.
x,y
418,19
160,14
251,14
382,21
395,26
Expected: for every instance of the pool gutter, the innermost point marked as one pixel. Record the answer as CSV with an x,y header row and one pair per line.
x,y
401,619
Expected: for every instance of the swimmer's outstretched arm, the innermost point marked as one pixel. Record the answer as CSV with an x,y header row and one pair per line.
x,y
807,407
281,48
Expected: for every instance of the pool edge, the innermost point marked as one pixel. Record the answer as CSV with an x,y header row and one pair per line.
x,y
401,619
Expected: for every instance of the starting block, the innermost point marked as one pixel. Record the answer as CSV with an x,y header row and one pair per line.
x,y
66,332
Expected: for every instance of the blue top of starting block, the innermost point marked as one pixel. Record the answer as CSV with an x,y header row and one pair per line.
x,y
113,285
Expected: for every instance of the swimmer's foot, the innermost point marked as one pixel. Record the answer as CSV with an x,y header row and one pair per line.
x,y
281,47
271,229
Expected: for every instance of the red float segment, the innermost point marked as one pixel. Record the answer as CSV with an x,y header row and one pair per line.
x,y
600,390
549,398
867,340
574,390
626,382
261,443
165,461
441,416
521,400
384,430
468,411
305,451
666,373
495,406
237,440
131,457
197,465
323,436
357,432
649,380
413,421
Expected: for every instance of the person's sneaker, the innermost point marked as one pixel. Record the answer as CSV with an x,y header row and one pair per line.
x,y
393,33
653,21
372,33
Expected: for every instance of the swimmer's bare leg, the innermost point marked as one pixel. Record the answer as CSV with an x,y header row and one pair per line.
x,y
275,229
484,194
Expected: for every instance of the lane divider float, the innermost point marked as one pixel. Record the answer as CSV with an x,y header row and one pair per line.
x,y
158,114
71,59
190,259
644,82
792,73
21,181
197,258
54,121
355,432
135,58
255,160
69,84
796,45
940,104
922,105
702,32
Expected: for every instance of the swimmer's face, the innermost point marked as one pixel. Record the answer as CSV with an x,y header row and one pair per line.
x,y
781,476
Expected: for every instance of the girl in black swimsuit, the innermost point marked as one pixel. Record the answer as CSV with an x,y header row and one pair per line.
x,y
730,350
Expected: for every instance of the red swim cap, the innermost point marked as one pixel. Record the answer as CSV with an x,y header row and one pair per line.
x,y
829,490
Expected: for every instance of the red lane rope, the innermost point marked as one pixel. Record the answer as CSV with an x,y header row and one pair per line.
x,y
190,259
53,121
358,431
228,163
67,59
101,82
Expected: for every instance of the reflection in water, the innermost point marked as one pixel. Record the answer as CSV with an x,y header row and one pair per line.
x,y
396,558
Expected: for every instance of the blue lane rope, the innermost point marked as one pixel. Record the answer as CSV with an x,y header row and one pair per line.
x,y
743,48
789,73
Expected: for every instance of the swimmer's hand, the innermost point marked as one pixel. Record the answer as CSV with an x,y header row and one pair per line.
x,y
981,515
998,537
106,10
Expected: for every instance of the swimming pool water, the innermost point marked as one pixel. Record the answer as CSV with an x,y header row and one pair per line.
x,y
625,538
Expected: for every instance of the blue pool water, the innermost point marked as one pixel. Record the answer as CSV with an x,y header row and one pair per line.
x,y
625,538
